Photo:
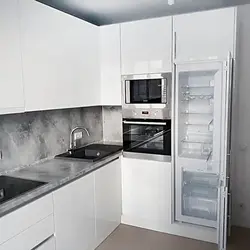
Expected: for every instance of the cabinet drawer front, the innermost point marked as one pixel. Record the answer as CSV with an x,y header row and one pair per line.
x,y
50,244
18,221
31,237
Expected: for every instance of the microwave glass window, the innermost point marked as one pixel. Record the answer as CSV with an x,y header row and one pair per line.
x,y
145,91
152,139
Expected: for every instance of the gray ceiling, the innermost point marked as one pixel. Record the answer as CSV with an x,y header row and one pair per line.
x,y
102,12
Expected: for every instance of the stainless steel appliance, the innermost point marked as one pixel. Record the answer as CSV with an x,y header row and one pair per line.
x,y
147,139
147,96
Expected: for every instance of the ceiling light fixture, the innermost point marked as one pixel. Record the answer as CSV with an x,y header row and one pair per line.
x,y
170,2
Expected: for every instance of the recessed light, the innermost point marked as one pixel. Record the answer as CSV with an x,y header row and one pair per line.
x,y
170,2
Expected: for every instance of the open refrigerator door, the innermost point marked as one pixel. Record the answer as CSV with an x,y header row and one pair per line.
x,y
226,157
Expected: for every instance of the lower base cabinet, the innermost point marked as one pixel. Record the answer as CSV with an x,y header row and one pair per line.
x,y
74,211
108,199
87,210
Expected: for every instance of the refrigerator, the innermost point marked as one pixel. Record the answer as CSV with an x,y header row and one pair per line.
x,y
202,121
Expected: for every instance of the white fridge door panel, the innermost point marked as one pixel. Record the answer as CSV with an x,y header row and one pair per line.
x,y
226,156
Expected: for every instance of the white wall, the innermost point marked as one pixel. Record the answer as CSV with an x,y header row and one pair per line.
x,y
241,143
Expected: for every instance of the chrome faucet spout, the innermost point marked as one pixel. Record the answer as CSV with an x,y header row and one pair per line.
x,y
72,141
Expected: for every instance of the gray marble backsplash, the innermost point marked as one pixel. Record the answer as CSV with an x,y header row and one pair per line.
x,y
112,123
30,137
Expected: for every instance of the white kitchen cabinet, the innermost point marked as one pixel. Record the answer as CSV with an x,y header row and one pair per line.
x,y
60,59
146,46
110,62
11,92
28,226
74,208
205,35
108,199
146,193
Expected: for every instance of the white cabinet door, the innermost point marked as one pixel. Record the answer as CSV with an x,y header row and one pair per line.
x,y
110,60
60,59
146,193
205,35
11,91
146,46
108,199
74,213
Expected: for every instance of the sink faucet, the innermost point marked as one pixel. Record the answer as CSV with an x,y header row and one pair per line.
x,y
72,141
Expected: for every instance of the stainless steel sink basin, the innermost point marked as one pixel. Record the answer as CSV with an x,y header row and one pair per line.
x,y
91,153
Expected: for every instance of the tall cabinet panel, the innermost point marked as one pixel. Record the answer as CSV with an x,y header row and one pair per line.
x,y
11,93
205,35
110,60
60,59
146,46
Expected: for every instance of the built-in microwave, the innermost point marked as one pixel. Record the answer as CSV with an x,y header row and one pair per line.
x,y
147,96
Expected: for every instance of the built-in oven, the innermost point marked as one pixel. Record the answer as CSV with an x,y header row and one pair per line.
x,y
147,96
148,139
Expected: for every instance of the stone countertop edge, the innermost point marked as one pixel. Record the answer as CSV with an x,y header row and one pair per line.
x,y
54,183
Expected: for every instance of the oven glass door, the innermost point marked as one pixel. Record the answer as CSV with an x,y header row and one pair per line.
x,y
145,91
151,137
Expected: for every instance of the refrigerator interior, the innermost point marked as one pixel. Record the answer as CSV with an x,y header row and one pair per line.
x,y
198,96
196,106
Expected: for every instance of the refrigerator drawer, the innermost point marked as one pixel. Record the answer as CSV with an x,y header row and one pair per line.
x,y
200,208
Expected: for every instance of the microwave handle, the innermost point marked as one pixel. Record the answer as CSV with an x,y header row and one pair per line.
x,y
127,91
145,123
166,91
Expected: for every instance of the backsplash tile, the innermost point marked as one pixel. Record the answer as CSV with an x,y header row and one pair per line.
x,y
30,137
112,123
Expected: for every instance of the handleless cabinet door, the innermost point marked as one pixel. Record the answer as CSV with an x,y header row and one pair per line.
x,y
108,199
205,35
110,59
146,46
11,85
60,59
74,212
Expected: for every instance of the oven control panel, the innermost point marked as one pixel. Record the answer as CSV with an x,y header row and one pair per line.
x,y
146,114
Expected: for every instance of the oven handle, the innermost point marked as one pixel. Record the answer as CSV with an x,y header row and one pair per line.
x,y
145,123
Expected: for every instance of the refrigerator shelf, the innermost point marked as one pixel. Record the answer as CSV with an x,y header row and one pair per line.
x,y
199,123
196,141
197,97
197,87
186,112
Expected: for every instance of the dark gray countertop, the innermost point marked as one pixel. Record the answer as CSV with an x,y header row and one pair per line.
x,y
56,172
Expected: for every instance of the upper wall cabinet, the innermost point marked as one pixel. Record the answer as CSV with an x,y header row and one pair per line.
x,y
11,92
205,35
60,59
110,60
146,46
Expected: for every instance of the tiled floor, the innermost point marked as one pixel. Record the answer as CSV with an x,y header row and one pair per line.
x,y
132,238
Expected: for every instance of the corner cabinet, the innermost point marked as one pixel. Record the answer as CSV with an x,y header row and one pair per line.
x,y
110,62
60,59
146,46
204,35
11,92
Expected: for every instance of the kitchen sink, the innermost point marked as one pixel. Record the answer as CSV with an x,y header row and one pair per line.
x,y
91,153
11,187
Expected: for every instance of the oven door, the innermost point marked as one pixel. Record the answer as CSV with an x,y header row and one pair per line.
x,y
147,137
